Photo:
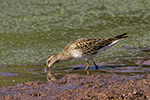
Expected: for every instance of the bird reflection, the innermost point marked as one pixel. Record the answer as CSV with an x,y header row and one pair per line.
x,y
53,75
50,77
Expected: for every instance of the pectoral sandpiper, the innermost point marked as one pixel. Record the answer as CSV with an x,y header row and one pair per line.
x,y
83,49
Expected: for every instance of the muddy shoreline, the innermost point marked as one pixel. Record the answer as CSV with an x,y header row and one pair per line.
x,y
118,83
77,87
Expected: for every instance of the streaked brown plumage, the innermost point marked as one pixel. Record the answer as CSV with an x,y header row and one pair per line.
x,y
83,49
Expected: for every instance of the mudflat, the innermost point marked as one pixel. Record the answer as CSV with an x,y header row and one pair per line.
x,y
82,87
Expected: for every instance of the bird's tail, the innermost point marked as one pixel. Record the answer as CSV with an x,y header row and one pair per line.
x,y
122,36
113,40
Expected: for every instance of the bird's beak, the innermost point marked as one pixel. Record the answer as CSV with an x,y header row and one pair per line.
x,y
47,68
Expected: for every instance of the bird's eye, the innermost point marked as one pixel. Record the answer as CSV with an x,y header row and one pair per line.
x,y
49,61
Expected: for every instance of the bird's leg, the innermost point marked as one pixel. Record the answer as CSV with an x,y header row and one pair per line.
x,y
88,65
87,72
96,67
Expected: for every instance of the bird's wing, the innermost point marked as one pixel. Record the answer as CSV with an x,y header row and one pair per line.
x,y
92,45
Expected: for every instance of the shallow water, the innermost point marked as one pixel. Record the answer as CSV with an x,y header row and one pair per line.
x,y
31,30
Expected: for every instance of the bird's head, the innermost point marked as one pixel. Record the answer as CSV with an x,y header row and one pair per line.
x,y
52,59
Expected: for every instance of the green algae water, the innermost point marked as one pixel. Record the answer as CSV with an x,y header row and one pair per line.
x,y
31,30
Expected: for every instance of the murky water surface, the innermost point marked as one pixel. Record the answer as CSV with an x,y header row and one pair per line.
x,y
31,30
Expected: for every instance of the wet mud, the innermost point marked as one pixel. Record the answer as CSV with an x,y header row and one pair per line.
x,y
82,87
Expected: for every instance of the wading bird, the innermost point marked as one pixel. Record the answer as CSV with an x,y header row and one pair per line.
x,y
83,49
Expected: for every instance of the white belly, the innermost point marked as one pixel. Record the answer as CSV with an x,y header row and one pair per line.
x,y
79,56
77,53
